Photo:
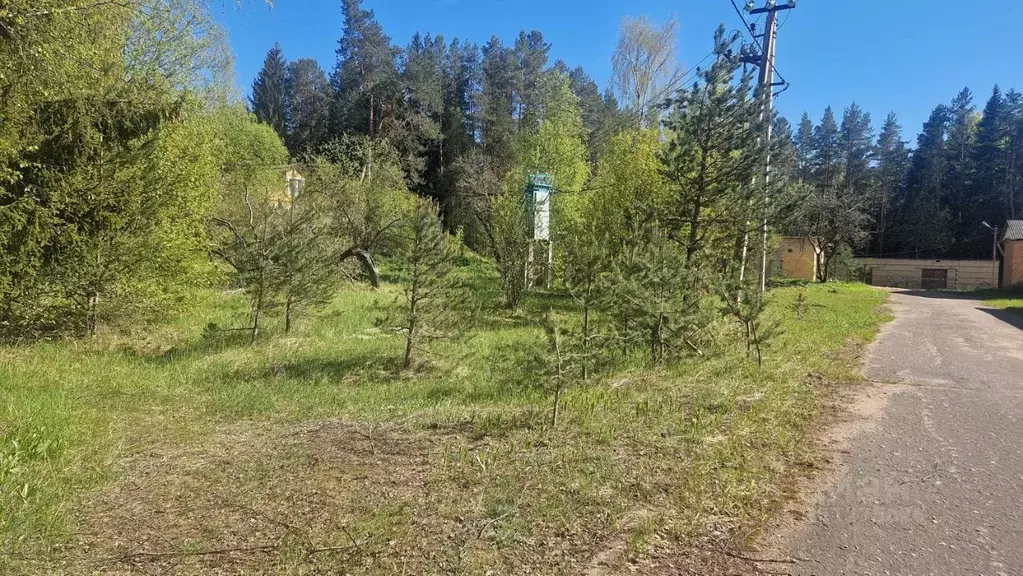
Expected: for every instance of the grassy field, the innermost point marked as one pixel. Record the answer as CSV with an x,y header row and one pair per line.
x,y
182,452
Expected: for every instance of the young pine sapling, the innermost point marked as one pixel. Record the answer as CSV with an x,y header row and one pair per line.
x,y
586,266
306,270
747,304
433,295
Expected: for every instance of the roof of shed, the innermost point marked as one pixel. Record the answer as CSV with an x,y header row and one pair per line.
x,y
1013,230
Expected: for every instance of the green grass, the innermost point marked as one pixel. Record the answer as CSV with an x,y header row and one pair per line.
x,y
1012,301
117,446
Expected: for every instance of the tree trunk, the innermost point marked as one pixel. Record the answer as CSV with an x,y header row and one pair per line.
x,y
368,265
92,316
559,383
257,309
371,119
288,306
694,230
756,344
410,336
586,340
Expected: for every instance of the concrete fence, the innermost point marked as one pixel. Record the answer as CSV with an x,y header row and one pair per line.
x,y
949,274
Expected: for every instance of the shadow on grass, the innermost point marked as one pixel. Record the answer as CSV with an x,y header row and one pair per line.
x,y
212,342
1011,316
360,368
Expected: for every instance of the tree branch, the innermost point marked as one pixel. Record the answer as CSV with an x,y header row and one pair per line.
x,y
93,6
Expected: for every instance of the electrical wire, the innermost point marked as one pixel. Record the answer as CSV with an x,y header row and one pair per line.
x,y
747,28
788,15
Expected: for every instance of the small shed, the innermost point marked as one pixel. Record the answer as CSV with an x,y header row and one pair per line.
x,y
1012,254
799,256
294,183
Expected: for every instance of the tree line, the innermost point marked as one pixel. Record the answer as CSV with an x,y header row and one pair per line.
x,y
132,180
876,196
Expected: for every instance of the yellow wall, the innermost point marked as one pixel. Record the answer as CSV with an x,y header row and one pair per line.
x,y
1013,263
798,258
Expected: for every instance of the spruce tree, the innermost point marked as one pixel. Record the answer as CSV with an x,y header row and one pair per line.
x,y
461,70
268,100
416,131
835,211
959,195
1013,121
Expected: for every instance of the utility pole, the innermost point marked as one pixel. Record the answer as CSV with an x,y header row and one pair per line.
x,y
765,60
994,255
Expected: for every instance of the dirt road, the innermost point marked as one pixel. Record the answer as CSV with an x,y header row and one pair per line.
x,y
935,485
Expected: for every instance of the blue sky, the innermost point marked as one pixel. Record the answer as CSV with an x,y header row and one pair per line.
x,y
901,55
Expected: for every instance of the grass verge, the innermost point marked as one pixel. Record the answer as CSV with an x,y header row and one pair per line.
x,y
181,452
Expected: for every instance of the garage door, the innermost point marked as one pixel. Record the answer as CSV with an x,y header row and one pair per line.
x,y
934,279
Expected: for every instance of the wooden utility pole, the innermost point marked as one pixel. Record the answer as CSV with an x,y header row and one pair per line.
x,y
766,60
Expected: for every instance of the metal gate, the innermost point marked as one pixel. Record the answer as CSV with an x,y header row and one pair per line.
x,y
934,279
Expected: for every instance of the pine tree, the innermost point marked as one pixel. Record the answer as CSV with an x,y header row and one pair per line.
x,y
924,226
498,101
660,300
805,148
746,303
989,155
308,100
365,79
415,129
306,255
857,139
827,152
892,166
959,197
587,267
712,155
530,53
433,294
269,92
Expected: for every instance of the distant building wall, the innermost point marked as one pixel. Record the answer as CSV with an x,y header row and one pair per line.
x,y
909,273
798,258
1012,264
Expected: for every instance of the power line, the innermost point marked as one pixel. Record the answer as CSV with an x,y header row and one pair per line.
x,y
783,22
748,28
